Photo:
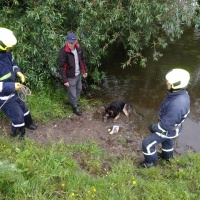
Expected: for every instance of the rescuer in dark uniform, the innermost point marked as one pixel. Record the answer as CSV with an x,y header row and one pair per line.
x,y
10,102
172,113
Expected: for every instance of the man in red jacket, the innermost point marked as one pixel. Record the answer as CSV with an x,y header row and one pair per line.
x,y
72,65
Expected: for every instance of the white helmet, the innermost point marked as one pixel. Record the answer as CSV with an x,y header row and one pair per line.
x,y
178,78
7,39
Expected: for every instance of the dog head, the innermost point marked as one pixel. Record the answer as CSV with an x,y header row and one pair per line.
x,y
108,113
127,109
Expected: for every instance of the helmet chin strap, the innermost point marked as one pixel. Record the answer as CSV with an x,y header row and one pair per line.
x,y
174,90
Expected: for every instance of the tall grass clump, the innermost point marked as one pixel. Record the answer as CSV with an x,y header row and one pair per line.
x,y
48,104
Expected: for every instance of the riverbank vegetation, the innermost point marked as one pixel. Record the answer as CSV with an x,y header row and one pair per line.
x,y
29,170
41,28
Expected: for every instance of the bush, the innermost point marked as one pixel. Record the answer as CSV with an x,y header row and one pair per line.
x,y
41,28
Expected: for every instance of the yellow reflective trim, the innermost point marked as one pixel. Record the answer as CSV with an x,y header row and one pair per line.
x,y
5,76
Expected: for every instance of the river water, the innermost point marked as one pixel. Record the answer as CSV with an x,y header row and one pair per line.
x,y
145,88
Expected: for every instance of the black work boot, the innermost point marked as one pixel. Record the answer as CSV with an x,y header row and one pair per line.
x,y
18,132
22,133
31,126
145,164
77,111
29,122
161,156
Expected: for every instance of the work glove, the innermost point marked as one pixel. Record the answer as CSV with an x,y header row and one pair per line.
x,y
21,76
17,86
150,127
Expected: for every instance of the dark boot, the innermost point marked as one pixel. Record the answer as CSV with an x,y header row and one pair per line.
x,y
77,111
29,122
32,127
145,164
165,157
18,132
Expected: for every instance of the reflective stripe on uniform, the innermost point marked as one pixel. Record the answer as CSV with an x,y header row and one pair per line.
x,y
15,66
6,97
167,150
164,136
159,127
184,117
148,148
26,113
148,154
1,86
5,76
176,128
18,125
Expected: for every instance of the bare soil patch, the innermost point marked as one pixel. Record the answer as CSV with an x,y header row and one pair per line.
x,y
88,127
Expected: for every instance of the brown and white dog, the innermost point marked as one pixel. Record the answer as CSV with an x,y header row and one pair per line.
x,y
114,110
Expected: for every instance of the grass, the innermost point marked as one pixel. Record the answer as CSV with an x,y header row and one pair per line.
x,y
48,105
29,170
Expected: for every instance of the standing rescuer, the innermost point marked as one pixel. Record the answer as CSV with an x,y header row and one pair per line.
x,y
172,113
10,103
72,64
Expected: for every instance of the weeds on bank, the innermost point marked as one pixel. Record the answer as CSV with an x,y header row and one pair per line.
x,y
47,106
29,170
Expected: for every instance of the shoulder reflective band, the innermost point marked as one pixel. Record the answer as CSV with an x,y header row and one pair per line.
x,y
5,76
1,86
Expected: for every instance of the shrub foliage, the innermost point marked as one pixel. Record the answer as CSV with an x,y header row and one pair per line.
x,y
41,28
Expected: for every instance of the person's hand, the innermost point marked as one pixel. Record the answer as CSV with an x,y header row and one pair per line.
x,y
66,84
85,75
21,76
150,127
17,86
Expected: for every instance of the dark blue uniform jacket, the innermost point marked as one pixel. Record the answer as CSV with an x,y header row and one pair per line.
x,y
172,113
8,70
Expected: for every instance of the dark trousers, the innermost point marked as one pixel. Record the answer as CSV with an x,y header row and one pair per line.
x,y
149,147
17,111
74,89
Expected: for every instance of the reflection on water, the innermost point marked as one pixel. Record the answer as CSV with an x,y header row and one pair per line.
x,y
145,88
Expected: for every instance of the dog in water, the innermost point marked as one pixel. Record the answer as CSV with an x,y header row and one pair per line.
x,y
114,110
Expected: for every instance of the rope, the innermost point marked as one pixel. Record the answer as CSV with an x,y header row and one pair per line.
x,y
23,94
5,101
